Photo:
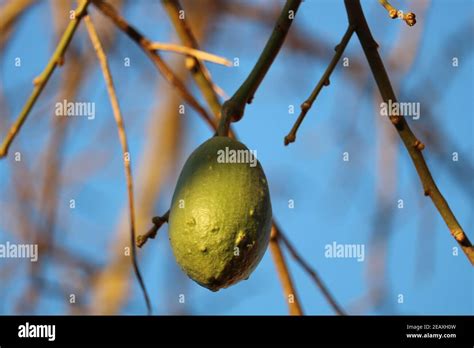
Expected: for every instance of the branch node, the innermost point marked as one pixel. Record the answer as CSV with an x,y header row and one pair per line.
x,y
395,13
60,60
157,221
410,19
233,110
459,236
305,106
418,145
37,80
395,120
324,81
290,138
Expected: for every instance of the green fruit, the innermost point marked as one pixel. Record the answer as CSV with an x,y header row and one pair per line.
x,y
220,217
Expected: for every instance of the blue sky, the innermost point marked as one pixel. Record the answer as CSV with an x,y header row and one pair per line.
x,y
335,201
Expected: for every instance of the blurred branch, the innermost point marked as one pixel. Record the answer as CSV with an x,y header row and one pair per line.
x,y
42,79
284,273
146,45
123,141
409,17
9,14
198,54
413,145
324,81
199,72
162,135
51,160
311,272
233,109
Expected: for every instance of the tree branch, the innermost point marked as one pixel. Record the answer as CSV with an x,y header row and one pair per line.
x,y
324,81
158,221
312,273
123,141
198,70
233,109
41,81
197,54
146,46
9,13
409,17
284,273
413,145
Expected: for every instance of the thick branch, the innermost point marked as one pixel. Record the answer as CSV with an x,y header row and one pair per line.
x,y
412,144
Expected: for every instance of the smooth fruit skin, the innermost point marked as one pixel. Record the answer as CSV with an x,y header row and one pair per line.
x,y
220,217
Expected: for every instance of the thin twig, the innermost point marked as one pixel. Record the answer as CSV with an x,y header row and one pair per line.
x,y
40,82
409,17
158,221
413,145
164,136
233,109
145,44
198,54
283,272
312,273
324,81
123,141
199,72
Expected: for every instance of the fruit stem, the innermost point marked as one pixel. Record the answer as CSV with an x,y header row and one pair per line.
x,y
233,109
